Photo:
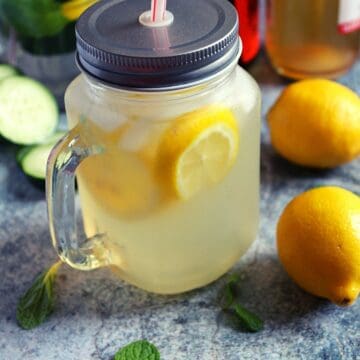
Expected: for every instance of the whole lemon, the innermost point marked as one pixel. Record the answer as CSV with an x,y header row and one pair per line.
x,y
316,123
318,240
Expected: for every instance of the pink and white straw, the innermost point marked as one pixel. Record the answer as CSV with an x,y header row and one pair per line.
x,y
158,9
158,16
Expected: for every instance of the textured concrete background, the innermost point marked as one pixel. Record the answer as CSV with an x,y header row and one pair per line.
x,y
96,313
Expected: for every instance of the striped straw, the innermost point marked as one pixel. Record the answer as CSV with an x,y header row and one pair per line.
x,y
158,9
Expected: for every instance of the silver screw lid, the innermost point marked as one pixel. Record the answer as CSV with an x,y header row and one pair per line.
x,y
113,46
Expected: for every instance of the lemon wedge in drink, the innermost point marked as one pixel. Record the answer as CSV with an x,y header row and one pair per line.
x,y
198,150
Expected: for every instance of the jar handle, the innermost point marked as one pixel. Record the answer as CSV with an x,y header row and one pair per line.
x,y
64,159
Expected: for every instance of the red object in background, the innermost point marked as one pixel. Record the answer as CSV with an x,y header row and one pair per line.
x,y
248,11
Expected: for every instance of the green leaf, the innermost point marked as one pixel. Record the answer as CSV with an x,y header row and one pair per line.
x,y
229,291
250,321
229,305
138,350
34,18
37,303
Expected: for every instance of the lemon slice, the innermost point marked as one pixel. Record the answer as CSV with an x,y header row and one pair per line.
x,y
198,150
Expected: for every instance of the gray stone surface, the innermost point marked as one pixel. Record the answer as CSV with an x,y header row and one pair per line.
x,y
96,313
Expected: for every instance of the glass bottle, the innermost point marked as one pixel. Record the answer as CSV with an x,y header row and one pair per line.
x,y
40,39
248,12
148,99
304,38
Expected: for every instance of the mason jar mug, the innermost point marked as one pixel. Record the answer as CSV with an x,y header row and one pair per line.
x,y
164,143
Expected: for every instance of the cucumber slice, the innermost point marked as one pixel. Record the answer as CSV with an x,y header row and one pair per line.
x,y
33,159
6,71
28,111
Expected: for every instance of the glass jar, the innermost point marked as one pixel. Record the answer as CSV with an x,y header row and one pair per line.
x,y
167,160
41,39
304,39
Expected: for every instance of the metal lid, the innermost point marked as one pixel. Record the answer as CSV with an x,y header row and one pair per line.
x,y
115,47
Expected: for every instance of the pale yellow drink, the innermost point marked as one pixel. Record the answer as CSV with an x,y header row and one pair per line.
x,y
156,240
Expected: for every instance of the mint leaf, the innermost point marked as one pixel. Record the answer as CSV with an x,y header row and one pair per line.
x,y
229,305
249,320
138,350
38,302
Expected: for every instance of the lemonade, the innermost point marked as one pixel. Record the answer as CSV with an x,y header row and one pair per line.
x,y
158,241
164,142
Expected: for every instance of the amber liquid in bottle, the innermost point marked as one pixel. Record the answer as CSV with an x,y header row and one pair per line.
x,y
302,39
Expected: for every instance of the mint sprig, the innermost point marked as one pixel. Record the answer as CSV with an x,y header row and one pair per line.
x,y
138,350
37,303
247,319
